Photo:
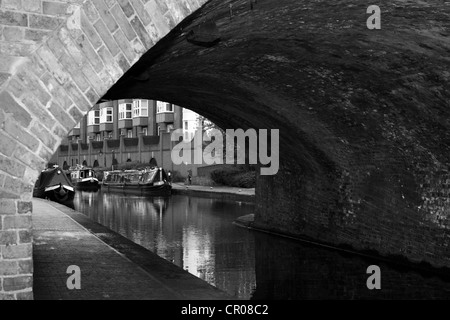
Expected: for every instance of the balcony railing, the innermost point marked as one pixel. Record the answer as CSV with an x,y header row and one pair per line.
x,y
131,142
150,140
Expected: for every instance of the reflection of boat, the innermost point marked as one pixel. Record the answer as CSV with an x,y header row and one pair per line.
x,y
84,178
149,181
53,184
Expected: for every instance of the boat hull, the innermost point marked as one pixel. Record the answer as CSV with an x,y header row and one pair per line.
x,y
53,184
87,185
58,194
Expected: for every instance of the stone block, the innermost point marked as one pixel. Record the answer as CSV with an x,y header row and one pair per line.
x,y
19,251
141,11
105,34
11,18
105,15
123,22
124,45
55,8
141,32
17,222
11,167
24,207
38,21
60,115
14,34
44,135
12,4
25,266
21,135
8,207
90,32
10,106
126,7
25,236
89,53
17,283
32,5
7,238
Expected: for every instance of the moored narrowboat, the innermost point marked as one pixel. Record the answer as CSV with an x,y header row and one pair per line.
x,y
84,178
53,184
145,182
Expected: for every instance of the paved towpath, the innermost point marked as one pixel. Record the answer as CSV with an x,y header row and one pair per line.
x,y
134,273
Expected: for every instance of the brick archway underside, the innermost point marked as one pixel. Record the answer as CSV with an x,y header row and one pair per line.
x,y
363,114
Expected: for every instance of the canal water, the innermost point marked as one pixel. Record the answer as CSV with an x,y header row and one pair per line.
x,y
197,234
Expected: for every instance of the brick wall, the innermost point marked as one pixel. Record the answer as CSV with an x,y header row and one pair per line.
x,y
57,58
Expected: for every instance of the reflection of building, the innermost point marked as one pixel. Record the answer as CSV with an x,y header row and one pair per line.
x,y
129,130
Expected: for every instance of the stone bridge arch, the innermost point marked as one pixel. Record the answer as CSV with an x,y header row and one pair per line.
x,y
363,114
57,59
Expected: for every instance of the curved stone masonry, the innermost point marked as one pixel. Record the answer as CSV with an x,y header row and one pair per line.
x,y
57,59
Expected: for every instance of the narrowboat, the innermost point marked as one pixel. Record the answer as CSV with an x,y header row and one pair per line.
x,y
144,182
84,179
53,184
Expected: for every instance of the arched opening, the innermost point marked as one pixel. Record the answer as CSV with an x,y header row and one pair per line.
x,y
85,163
351,154
96,164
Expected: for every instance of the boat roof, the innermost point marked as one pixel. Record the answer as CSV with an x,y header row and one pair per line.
x,y
51,177
148,169
79,168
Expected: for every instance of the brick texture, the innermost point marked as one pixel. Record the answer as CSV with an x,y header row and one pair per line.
x,y
43,94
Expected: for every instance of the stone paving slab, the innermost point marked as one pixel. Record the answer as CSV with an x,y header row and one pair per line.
x,y
60,242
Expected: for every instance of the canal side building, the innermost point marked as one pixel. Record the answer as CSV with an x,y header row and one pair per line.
x,y
128,130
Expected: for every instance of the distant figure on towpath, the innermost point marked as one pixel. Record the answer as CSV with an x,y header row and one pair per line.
x,y
189,176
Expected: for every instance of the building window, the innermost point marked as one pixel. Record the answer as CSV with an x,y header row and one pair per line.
x,y
98,137
163,107
159,130
145,131
186,125
125,111
129,133
140,108
109,134
106,115
93,118
169,128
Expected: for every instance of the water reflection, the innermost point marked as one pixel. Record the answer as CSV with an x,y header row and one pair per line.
x,y
198,235
194,233
288,269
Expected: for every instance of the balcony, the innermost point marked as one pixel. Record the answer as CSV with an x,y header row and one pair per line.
x,y
74,132
167,117
126,123
93,128
106,126
140,121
